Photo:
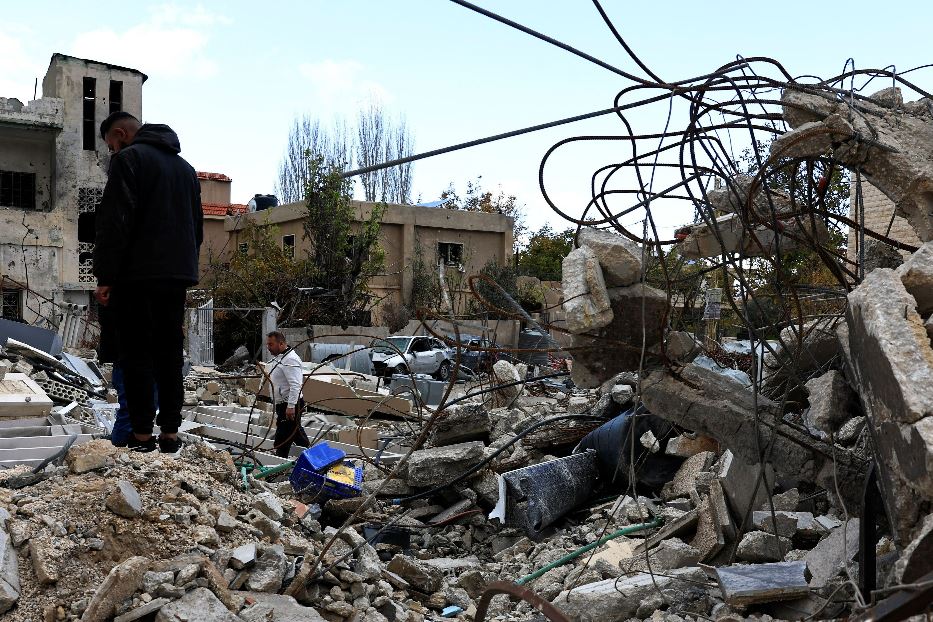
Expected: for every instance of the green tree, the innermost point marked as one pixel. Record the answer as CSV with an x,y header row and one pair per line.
x,y
545,252
476,199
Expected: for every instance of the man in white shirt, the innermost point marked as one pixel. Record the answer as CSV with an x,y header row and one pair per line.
x,y
287,380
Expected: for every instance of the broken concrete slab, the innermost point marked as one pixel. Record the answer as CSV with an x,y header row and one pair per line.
x,y
802,350
686,445
124,500
833,553
639,315
709,538
916,559
685,480
894,161
619,257
459,423
832,401
277,608
917,276
731,234
145,610
759,546
439,465
786,522
744,585
122,581
880,255
586,303
668,555
269,571
198,604
419,575
616,600
9,573
21,397
686,523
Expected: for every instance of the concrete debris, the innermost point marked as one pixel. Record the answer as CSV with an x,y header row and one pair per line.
x,y
730,234
439,465
743,585
760,546
460,423
894,160
124,500
619,257
586,302
831,402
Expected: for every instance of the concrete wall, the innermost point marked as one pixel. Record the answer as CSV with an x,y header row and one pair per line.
x,y
878,211
215,191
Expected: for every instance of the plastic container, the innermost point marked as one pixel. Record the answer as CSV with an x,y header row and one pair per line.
x,y
322,456
340,481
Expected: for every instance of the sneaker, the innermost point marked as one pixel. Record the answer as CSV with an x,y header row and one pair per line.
x,y
143,447
170,445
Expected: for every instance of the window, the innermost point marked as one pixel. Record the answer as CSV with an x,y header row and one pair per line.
x,y
12,308
288,245
243,248
450,252
352,248
116,96
90,125
18,190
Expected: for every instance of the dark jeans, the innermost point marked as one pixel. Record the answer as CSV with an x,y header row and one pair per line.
x,y
150,319
122,428
288,432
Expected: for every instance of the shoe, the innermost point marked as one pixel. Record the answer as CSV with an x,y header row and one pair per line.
x,y
143,447
170,445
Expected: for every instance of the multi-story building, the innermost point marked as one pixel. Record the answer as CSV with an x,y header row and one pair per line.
x,y
53,168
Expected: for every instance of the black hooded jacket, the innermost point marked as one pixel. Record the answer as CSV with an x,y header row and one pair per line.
x,y
149,222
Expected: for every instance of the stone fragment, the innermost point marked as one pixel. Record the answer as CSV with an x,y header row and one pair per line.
x,y
916,560
828,558
880,255
685,480
618,256
421,576
473,581
668,555
744,585
687,445
91,456
730,234
124,500
786,501
218,585
439,465
145,610
586,302
461,422
46,573
243,556
917,276
832,402
622,394
122,581
225,522
199,605
681,347
709,538
207,536
279,608
617,600
626,333
269,571
152,580
9,573
269,528
269,504
187,574
758,546
505,375
786,522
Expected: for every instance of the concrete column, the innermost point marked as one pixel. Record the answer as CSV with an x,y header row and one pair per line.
x,y
270,317
408,255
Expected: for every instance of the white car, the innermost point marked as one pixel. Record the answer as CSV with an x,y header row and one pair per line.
x,y
416,355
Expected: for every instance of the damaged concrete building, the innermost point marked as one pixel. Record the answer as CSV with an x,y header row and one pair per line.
x,y
53,168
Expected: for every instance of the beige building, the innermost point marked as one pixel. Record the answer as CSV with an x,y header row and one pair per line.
x,y
879,210
466,241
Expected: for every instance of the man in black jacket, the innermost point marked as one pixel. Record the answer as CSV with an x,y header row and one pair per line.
x,y
149,233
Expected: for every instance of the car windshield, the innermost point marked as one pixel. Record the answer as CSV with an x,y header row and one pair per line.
x,y
391,345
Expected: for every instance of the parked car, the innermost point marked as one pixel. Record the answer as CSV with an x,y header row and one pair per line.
x,y
411,354
478,353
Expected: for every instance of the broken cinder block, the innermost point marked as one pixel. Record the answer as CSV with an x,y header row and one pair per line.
x,y
586,302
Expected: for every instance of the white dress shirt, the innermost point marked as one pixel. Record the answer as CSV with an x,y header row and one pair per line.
x,y
286,377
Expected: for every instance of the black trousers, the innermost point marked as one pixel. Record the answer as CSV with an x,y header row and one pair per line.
x,y
289,431
150,329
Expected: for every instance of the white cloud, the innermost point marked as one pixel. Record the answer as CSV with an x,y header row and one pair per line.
x,y
18,69
172,42
342,85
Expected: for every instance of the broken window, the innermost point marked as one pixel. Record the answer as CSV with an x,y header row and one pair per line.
x,y
12,308
90,125
450,252
116,96
288,245
18,190
243,247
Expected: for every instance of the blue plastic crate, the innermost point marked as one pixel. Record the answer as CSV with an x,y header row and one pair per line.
x,y
328,484
321,457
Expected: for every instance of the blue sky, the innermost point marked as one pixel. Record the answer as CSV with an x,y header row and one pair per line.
x,y
231,76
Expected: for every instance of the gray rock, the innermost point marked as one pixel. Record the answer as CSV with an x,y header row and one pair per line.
x,y
9,573
187,574
269,504
153,580
786,501
459,423
421,576
278,608
880,255
139,612
917,276
586,302
668,555
850,430
827,559
685,479
619,257
269,528
681,346
439,465
758,546
786,522
122,581
915,561
199,604
225,523
622,394
804,349
124,500
831,401
504,373
269,571
243,556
